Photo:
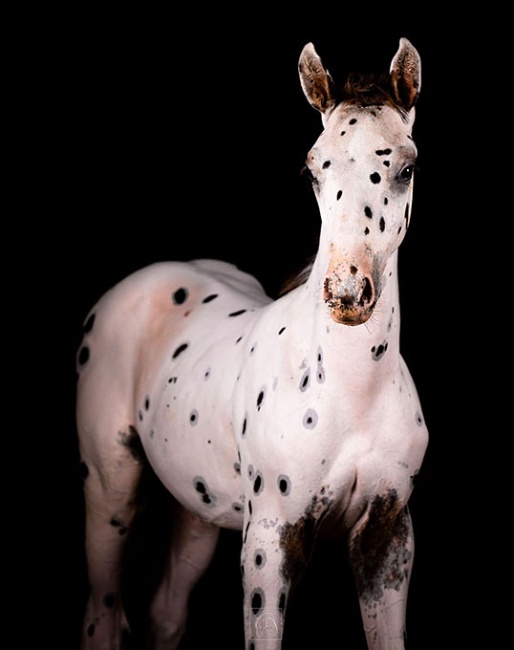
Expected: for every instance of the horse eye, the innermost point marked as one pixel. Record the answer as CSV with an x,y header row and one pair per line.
x,y
406,173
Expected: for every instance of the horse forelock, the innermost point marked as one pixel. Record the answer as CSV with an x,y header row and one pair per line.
x,y
364,90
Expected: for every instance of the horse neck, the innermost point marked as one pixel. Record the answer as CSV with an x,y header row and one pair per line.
x,y
360,348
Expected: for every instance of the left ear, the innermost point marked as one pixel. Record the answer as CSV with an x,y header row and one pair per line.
x,y
405,74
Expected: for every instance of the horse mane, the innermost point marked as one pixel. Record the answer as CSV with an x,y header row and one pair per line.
x,y
294,281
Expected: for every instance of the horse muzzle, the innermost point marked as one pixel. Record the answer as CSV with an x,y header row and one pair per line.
x,y
350,298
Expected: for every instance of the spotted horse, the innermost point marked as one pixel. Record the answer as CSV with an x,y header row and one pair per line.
x,y
283,419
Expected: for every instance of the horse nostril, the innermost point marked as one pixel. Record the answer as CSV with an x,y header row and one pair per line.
x,y
367,292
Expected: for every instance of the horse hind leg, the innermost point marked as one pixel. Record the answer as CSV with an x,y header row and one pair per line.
x,y
112,466
193,543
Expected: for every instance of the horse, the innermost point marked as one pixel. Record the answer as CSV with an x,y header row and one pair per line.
x,y
286,418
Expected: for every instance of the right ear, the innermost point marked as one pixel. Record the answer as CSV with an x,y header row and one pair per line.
x,y
316,81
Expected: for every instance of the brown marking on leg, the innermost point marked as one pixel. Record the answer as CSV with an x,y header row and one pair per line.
x,y
297,540
379,551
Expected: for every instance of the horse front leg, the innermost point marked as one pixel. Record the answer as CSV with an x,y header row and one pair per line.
x,y
274,555
381,554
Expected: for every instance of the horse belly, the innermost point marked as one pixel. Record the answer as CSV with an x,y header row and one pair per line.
x,y
188,436
201,472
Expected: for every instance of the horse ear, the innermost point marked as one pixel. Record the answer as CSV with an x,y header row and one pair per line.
x,y
405,74
316,81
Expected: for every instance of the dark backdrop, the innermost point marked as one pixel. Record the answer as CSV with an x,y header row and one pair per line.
x,y
164,137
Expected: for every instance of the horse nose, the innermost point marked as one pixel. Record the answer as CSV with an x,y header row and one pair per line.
x,y
350,296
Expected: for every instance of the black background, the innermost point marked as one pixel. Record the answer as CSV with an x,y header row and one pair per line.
x,y
159,136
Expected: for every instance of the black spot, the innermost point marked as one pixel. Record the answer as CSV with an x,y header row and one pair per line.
x,y
339,195
383,152
250,508
88,325
353,120
109,600
368,212
193,417
243,430
407,212
375,178
258,484
304,383
282,601
180,349
378,351
91,630
210,298
200,487
382,224
386,163
147,403
180,296
310,419
237,468
326,164
257,600
83,355
366,230
260,399
320,376
237,507
123,529
281,330
284,484
237,313
419,419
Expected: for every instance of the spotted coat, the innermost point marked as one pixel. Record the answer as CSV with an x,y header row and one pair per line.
x,y
280,418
